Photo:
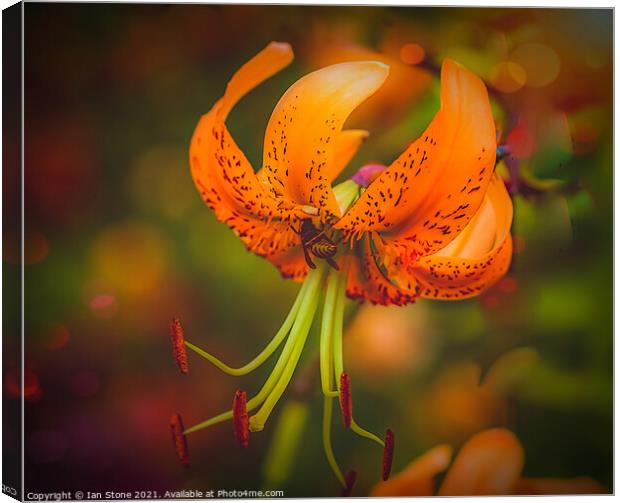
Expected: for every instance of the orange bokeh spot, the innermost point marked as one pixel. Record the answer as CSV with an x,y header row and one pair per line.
x,y
540,62
508,76
131,257
57,336
491,301
103,304
518,244
521,141
12,385
36,248
508,285
412,54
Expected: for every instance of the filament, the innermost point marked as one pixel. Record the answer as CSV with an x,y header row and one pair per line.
x,y
327,329
338,354
299,334
311,287
265,353
328,405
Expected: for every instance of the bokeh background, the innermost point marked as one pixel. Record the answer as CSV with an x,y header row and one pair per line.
x,y
118,242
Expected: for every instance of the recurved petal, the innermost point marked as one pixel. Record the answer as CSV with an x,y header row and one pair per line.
x,y
489,463
290,262
303,131
368,279
222,173
266,63
476,259
417,478
431,191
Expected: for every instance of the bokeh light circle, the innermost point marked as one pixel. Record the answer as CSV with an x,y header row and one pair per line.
x,y
540,62
508,76
57,336
412,54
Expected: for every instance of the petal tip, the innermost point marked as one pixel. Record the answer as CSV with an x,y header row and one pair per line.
x,y
283,47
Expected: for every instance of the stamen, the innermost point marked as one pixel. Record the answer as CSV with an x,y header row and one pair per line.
x,y
350,481
179,439
346,403
279,379
388,453
311,286
178,345
240,418
265,353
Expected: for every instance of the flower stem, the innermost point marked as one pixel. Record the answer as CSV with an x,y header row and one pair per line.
x,y
285,443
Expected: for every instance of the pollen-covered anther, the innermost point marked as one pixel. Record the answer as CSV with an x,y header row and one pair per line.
x,y
179,439
349,479
178,345
241,422
388,453
408,259
346,403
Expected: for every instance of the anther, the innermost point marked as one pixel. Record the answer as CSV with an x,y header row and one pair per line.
x,y
388,453
346,403
350,479
179,440
240,418
178,345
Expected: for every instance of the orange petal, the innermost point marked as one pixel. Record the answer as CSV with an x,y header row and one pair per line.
x,y
428,195
224,176
303,131
291,262
404,85
489,463
478,257
269,61
367,281
578,485
417,479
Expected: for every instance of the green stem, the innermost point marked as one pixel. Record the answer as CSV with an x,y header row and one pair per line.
x,y
285,443
265,353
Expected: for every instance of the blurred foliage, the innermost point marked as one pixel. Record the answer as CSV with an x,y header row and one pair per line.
x,y
113,94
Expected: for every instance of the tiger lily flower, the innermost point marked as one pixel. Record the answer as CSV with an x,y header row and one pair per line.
x,y
433,224
489,463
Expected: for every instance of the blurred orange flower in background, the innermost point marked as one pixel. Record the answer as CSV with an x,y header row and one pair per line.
x,y
489,463
460,403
